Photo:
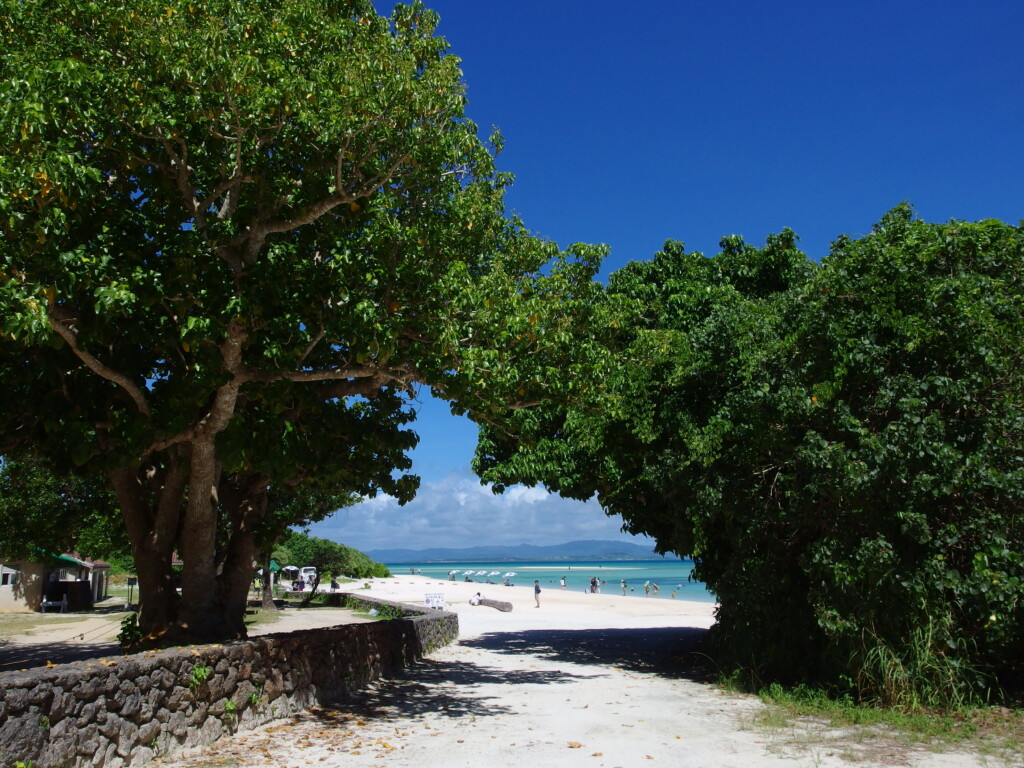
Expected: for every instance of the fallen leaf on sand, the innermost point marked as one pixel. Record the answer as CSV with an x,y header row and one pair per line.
x,y
574,745
597,754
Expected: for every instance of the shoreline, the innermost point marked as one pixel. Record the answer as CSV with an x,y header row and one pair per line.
x,y
559,609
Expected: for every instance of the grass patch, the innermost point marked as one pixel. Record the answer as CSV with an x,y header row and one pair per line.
x,y
262,618
813,713
31,623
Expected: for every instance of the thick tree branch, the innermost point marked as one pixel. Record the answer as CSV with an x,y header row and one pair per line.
x,y
251,243
180,174
101,370
312,344
404,375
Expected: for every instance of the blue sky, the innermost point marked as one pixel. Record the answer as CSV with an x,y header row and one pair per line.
x,y
632,123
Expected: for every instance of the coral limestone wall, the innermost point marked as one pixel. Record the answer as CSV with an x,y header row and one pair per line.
x,y
126,710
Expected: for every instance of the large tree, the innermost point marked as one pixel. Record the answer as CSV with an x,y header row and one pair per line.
x,y
836,445
234,236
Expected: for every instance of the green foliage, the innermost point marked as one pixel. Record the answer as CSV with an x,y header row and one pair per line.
x,y
837,446
386,612
130,636
43,510
329,558
200,674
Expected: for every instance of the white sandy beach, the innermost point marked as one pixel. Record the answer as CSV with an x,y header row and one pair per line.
x,y
584,680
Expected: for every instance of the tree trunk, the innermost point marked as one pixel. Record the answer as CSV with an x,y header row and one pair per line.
x,y
200,618
268,580
244,508
312,593
210,608
152,522
497,604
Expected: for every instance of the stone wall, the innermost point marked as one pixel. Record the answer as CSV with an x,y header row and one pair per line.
x,y
126,710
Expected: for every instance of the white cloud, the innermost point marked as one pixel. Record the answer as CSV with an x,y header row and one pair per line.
x,y
458,511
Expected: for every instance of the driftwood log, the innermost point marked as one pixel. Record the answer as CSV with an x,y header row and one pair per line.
x,y
497,604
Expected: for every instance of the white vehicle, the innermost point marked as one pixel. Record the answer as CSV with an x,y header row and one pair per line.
x,y
307,574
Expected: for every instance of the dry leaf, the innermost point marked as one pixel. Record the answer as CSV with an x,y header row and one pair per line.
x,y
574,745
598,754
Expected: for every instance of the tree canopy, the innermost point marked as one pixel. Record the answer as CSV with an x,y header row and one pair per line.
x,y
329,558
41,511
837,446
234,236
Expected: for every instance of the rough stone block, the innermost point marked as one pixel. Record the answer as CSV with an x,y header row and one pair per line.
x,y
110,727
140,757
127,738
148,732
108,755
61,744
178,724
180,698
16,700
132,705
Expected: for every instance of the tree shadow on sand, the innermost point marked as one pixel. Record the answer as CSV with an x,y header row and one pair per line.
x,y
447,688
18,656
672,652
450,688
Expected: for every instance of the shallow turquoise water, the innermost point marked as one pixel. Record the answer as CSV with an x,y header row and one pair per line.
x,y
668,574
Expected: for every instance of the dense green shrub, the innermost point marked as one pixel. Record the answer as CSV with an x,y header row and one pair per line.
x,y
838,447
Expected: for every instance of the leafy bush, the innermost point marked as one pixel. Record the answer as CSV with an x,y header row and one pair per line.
x,y
838,447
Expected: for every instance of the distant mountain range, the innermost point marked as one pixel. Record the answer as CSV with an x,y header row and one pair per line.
x,y
574,550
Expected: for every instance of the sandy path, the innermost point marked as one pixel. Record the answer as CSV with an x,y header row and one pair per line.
x,y
584,680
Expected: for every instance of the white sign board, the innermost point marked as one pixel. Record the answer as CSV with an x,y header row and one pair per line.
x,y
434,600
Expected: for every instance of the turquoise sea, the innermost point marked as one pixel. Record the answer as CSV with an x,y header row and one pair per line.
x,y
669,575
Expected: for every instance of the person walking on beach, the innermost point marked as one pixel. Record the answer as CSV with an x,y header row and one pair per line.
x,y
536,592
563,582
647,589
623,582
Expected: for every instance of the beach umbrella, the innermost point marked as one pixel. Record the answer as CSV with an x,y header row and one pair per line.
x,y
481,573
494,573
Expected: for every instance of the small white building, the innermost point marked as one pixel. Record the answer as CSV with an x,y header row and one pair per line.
x,y
52,581
21,586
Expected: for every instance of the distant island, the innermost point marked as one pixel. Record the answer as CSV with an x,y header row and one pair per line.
x,y
574,550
